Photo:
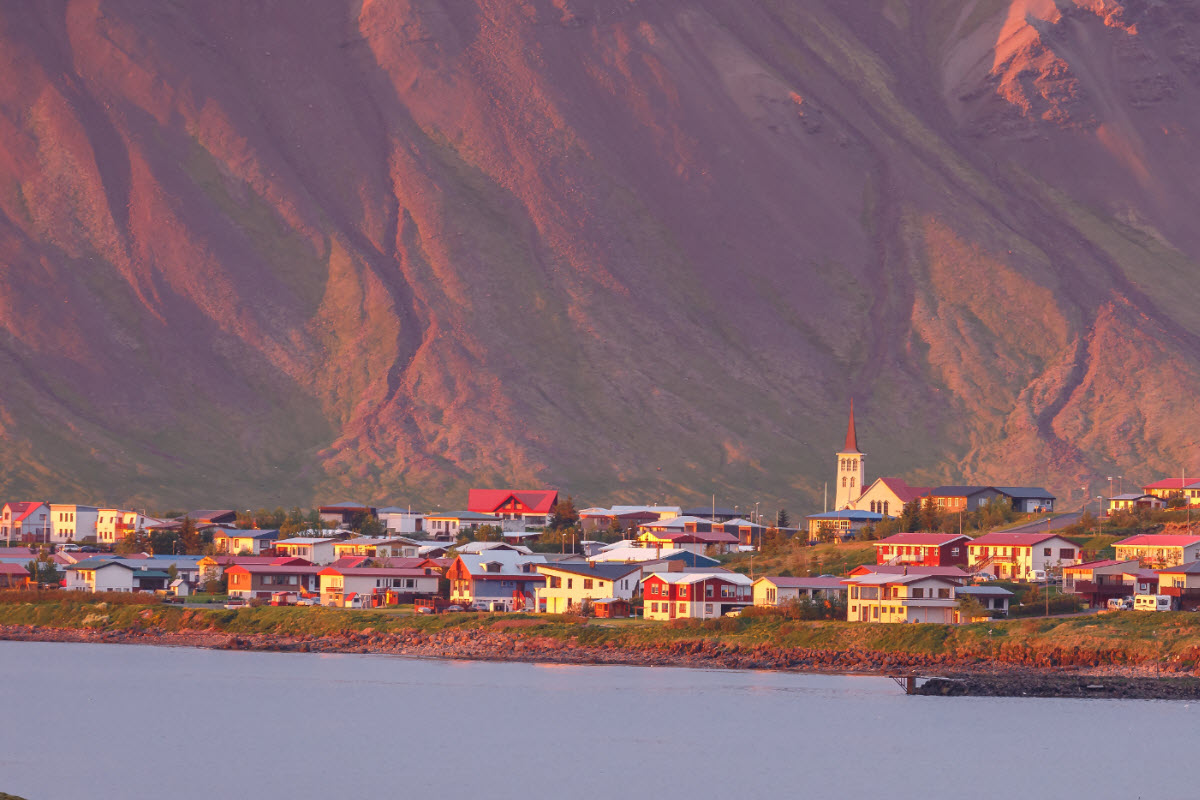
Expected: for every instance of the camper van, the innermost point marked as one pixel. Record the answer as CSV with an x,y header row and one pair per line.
x,y
1152,602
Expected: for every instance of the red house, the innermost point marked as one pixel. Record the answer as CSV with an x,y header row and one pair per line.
x,y
695,595
923,549
531,506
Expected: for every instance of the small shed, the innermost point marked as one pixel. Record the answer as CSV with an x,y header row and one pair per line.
x,y
611,608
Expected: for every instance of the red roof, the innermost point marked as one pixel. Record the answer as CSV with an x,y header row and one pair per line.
x,y
1169,483
13,569
912,569
1159,540
934,539
276,569
1013,539
489,501
230,560
851,434
903,491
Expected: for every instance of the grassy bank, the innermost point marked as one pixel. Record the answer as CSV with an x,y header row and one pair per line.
x,y
1126,638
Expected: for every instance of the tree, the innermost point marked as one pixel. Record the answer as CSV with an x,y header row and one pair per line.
x,y
930,517
910,516
564,515
163,542
172,573
135,541
372,526
43,571
969,608
189,537
781,518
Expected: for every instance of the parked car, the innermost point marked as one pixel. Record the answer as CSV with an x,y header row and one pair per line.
x,y
236,603
1038,576
984,577
449,609
1120,604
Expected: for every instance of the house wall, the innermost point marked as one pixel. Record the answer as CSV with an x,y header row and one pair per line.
x,y
404,523
574,590
109,579
899,603
71,522
321,554
1155,555
1017,562
879,498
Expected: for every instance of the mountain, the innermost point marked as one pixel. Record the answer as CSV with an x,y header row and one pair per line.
x,y
633,249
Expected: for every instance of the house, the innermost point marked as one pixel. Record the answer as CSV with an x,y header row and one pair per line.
x,y
1159,549
749,534
114,524
1132,501
1016,555
72,523
100,575
25,522
208,517
883,597
991,598
569,585
923,549
778,591
627,518
317,549
1028,499
250,581
446,526
1187,488
213,567
1098,581
843,524
964,498
251,542
694,595
1143,581
888,496
1182,584
349,514
696,541
402,520
13,576
483,547
526,506
502,579
370,587
956,575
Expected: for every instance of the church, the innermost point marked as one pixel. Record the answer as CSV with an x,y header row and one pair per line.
x,y
886,496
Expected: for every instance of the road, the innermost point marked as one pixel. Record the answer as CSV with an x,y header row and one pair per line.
x,y
1052,524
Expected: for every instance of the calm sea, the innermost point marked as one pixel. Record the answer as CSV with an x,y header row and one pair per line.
x,y
121,721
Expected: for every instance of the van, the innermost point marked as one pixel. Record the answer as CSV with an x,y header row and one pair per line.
x,y
1120,604
1152,602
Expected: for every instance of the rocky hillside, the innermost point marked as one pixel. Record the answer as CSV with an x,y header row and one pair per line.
x,y
392,249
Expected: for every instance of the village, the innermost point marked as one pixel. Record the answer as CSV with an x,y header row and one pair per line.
x,y
531,551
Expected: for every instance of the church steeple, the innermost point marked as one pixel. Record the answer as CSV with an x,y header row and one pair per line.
x,y
851,436
852,469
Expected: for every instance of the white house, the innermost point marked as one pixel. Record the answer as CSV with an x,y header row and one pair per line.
x,y
445,526
1016,555
71,523
100,575
777,591
370,586
250,542
402,520
568,585
318,550
884,597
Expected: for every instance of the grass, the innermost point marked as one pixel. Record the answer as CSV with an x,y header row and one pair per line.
x,y
797,559
1124,638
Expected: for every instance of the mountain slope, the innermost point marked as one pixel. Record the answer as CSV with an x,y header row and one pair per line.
x,y
390,250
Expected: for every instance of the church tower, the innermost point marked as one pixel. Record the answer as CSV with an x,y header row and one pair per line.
x,y
852,472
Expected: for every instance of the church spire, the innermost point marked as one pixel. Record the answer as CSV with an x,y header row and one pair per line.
x,y
851,436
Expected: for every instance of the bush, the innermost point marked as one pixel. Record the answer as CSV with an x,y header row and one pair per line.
x,y
64,597
1059,604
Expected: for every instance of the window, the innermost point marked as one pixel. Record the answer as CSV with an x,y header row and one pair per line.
x,y
587,583
1067,554
953,551
875,612
1046,552
708,590
885,508
681,591
851,481
843,481
654,607
943,594
570,583
918,592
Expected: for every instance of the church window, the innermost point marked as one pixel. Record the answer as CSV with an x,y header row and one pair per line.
x,y
852,482
885,508
843,481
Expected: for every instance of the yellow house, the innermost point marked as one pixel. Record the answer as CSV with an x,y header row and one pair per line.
x,y
569,585
1017,555
883,597
1159,549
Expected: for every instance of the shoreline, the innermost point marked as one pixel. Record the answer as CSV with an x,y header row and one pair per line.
x,y
944,677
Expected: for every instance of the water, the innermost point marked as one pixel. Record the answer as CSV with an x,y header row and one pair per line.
x,y
121,721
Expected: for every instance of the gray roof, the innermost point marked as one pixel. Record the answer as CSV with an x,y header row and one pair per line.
x,y
1029,492
990,591
238,533
958,491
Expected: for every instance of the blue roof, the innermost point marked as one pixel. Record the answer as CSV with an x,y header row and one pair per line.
x,y
853,516
689,558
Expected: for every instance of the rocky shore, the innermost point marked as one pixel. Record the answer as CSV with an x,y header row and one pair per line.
x,y
960,676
